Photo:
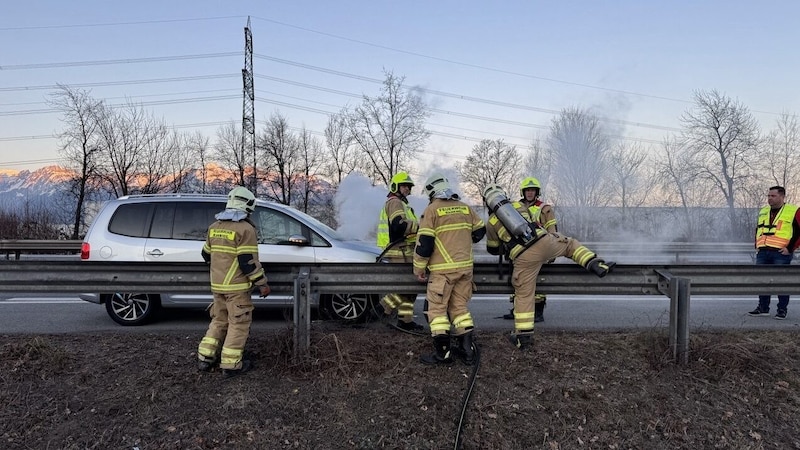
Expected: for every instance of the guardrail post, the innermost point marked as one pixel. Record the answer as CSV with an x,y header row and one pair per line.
x,y
302,312
679,296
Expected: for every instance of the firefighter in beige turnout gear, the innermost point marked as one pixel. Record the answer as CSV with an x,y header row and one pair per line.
x,y
529,246
530,189
448,228
397,234
231,248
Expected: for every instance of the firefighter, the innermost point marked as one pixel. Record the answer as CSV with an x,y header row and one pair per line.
x,y
530,190
529,246
397,234
443,258
232,250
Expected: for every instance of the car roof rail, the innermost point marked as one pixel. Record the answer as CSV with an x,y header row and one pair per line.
x,y
173,195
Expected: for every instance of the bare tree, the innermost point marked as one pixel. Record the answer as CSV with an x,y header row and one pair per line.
x,y
629,182
344,157
389,129
780,157
724,136
159,157
279,147
678,177
77,145
311,158
490,162
537,162
132,150
198,147
578,148
182,161
228,151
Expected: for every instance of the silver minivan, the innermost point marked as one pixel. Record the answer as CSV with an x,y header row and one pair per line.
x,y
172,228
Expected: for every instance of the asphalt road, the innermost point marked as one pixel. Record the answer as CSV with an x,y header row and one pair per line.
x,y
68,314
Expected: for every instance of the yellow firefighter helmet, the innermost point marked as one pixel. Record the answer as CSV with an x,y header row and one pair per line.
x,y
398,179
530,183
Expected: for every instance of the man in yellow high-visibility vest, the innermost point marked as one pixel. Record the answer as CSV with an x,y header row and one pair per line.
x,y
777,236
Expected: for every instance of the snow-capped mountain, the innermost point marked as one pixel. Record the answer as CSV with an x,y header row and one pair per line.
x,y
49,188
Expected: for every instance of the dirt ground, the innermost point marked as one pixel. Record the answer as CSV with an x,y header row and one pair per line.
x,y
363,388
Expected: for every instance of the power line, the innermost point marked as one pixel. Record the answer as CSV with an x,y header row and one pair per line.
x,y
122,105
117,61
433,92
475,66
114,24
120,83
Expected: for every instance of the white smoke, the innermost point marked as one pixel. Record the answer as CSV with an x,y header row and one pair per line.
x,y
358,205
359,202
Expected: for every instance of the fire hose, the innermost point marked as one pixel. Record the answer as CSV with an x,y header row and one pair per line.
x,y
475,365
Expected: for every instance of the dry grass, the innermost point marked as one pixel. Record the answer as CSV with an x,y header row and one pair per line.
x,y
364,388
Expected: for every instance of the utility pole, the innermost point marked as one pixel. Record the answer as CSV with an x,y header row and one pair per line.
x,y
248,107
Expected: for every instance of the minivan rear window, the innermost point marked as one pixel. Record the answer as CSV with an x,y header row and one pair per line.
x,y
130,219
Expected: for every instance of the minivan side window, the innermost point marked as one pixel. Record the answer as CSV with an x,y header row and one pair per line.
x,y
163,216
130,219
193,218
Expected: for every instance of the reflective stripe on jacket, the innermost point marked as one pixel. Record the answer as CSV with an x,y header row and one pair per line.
x,y
542,213
497,233
225,242
450,223
393,208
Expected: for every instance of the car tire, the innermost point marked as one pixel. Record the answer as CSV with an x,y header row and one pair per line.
x,y
131,309
351,308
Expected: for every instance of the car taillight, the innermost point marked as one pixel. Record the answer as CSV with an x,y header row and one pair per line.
x,y
84,250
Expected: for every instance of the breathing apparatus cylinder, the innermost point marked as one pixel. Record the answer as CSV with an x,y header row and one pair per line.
x,y
498,203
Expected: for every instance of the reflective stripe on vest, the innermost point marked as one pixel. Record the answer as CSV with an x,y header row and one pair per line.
x,y
778,233
382,238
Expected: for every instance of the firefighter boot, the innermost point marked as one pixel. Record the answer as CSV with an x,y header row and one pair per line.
x,y
510,315
599,267
521,341
230,373
441,354
538,312
466,348
205,366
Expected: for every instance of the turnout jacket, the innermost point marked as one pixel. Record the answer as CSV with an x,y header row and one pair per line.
x,y
232,249
447,230
499,240
397,220
542,213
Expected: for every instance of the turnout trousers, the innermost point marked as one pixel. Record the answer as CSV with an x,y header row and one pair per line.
x,y
526,270
447,297
231,317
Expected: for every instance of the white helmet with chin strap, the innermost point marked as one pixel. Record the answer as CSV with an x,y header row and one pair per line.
x,y
438,186
240,198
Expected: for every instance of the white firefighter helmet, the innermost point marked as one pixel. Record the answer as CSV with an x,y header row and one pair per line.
x,y
437,185
242,199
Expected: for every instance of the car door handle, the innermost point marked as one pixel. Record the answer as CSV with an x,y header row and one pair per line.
x,y
155,252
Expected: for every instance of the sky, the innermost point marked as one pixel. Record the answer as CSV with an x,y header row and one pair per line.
x,y
489,70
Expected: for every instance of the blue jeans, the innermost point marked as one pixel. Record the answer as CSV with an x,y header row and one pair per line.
x,y
772,256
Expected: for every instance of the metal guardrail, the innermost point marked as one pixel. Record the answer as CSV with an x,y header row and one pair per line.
x,y
627,252
19,246
626,279
674,281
